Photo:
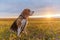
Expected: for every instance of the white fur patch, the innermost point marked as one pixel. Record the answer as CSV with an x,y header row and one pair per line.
x,y
22,25
23,21
19,30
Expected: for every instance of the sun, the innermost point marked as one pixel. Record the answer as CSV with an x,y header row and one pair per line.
x,y
48,16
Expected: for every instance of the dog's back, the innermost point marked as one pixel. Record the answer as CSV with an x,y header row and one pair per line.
x,y
14,26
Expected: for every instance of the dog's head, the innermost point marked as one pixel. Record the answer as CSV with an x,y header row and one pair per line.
x,y
27,12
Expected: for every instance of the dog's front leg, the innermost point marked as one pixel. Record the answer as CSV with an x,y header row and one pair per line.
x,y
18,31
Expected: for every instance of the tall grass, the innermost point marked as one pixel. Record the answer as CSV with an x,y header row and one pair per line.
x,y
35,30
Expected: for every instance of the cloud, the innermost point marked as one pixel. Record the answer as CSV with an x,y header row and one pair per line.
x,y
14,7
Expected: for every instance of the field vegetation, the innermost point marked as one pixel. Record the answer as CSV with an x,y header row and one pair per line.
x,y
37,29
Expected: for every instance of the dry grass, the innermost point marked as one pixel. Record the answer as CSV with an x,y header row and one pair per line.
x,y
37,29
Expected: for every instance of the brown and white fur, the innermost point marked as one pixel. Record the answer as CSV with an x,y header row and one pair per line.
x,y
20,23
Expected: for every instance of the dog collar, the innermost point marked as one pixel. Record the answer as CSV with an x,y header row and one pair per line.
x,y
22,16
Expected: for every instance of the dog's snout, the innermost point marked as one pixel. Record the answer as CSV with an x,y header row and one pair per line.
x,y
32,11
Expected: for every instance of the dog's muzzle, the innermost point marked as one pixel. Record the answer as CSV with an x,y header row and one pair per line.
x,y
31,13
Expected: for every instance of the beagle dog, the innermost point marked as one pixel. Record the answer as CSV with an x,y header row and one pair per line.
x,y
20,23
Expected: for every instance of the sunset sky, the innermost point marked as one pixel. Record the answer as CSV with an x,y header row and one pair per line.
x,y
42,8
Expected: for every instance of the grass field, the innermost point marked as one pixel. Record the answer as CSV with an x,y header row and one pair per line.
x,y
37,29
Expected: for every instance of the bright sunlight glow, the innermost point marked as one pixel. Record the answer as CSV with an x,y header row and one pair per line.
x,y
46,16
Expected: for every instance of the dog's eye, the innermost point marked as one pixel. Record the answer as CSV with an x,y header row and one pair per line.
x,y
28,10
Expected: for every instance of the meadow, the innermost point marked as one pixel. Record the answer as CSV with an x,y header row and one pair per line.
x,y
37,29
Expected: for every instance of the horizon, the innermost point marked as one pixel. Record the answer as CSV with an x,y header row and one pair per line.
x,y
35,17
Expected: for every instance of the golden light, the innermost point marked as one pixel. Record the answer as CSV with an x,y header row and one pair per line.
x,y
48,16
48,12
